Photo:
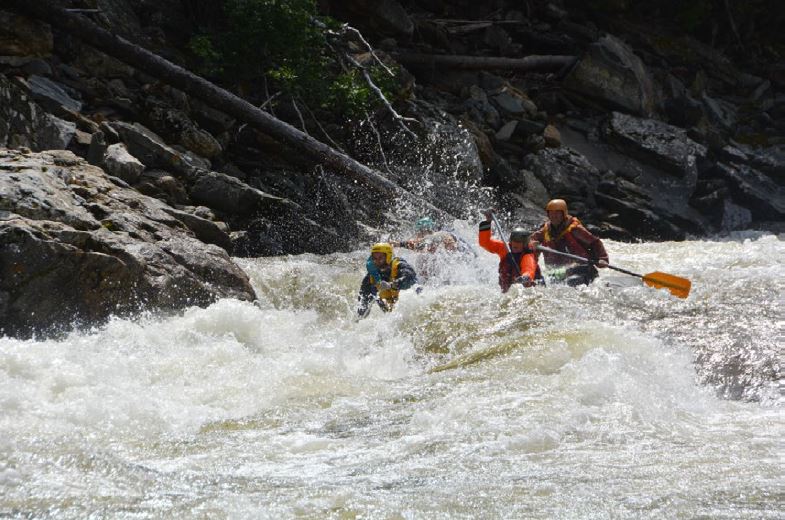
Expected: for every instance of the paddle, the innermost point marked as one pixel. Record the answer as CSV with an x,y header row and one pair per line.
x,y
677,286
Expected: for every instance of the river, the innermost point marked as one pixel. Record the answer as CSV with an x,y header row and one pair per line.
x,y
609,401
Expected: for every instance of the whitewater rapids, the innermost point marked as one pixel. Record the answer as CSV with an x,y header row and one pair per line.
x,y
609,401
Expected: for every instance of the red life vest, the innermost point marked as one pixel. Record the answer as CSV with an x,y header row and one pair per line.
x,y
564,241
509,269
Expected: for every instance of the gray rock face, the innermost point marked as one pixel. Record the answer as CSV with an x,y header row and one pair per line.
x,y
75,247
658,143
118,162
565,173
225,193
765,199
51,94
23,123
611,73
151,150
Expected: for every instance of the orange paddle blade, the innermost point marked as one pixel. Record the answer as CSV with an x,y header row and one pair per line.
x,y
677,286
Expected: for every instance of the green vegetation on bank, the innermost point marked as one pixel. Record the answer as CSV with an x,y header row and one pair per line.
x,y
285,45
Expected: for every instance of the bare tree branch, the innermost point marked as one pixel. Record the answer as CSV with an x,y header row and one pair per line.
x,y
299,115
378,142
370,49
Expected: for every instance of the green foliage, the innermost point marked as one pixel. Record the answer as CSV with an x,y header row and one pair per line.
x,y
278,40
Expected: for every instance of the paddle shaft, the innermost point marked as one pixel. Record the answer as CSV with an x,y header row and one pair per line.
x,y
506,245
586,260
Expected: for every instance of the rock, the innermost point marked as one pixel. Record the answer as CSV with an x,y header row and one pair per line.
x,y
769,160
734,217
163,185
552,136
719,113
565,173
664,146
24,124
37,67
480,109
118,162
97,149
611,73
482,144
205,230
535,189
764,198
55,134
175,125
22,36
151,150
230,195
508,103
52,95
75,248
640,220
506,131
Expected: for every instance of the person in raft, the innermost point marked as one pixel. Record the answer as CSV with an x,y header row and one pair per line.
x,y
564,232
427,238
518,264
387,275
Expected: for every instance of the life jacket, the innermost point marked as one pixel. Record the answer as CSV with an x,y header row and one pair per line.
x,y
389,296
509,269
564,241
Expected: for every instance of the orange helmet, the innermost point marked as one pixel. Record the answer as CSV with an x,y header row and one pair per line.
x,y
383,247
557,205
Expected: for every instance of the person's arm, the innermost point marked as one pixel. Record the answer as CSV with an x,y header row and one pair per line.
x,y
406,244
366,296
528,266
490,244
592,243
536,239
406,276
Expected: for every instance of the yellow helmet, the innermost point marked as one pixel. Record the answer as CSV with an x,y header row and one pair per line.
x,y
383,247
557,205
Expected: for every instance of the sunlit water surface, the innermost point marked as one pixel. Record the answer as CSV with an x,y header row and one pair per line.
x,y
609,401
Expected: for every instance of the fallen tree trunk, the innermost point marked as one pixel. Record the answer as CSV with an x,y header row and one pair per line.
x,y
82,28
447,61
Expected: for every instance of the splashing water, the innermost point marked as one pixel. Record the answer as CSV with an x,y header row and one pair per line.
x,y
608,401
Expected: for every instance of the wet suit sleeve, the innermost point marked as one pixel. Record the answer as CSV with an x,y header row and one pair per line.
x,y
366,296
528,266
406,275
592,243
490,244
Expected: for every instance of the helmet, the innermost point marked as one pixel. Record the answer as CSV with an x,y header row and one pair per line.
x,y
519,235
424,224
383,247
557,205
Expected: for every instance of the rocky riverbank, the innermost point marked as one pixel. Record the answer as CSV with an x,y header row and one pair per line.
x,y
119,192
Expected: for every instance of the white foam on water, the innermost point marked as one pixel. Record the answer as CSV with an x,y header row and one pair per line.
x,y
603,401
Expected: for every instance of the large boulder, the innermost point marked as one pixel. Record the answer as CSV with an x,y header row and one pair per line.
x,y
24,124
753,189
230,195
75,247
612,74
565,173
660,144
